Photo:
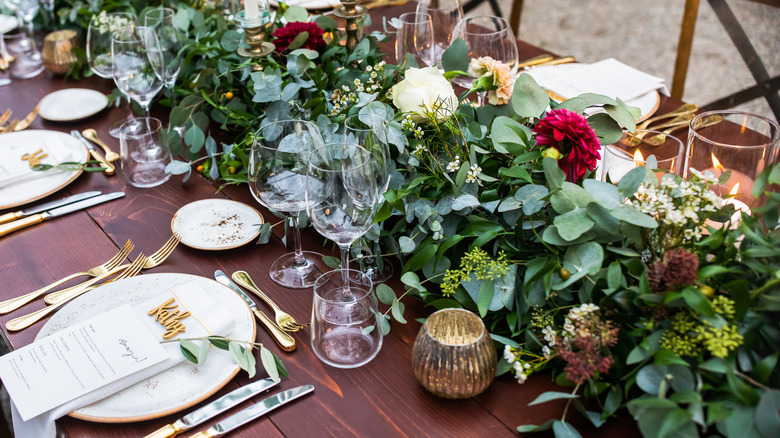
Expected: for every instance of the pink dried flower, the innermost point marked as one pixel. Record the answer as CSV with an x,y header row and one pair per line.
x,y
681,268
570,133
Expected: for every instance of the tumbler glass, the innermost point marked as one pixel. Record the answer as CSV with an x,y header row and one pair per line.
x,y
144,158
345,331
27,61
634,149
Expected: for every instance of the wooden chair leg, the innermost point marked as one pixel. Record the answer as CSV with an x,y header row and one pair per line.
x,y
515,16
684,47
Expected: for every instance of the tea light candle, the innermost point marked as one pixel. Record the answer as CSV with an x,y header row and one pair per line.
x,y
251,10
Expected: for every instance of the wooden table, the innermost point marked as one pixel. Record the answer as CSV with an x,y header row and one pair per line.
x,y
382,398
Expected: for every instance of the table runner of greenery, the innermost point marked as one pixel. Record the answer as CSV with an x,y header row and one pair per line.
x,y
643,295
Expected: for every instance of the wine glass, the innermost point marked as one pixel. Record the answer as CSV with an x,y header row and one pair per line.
x,y
101,27
445,14
370,132
487,36
31,64
161,20
278,172
341,194
137,62
415,38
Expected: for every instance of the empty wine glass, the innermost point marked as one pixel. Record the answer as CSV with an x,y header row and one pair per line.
x,y
31,63
445,14
278,172
171,41
370,132
487,36
137,62
341,194
415,38
101,27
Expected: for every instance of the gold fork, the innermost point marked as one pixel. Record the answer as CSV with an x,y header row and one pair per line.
x,y
91,134
283,319
25,321
4,118
113,262
25,122
153,260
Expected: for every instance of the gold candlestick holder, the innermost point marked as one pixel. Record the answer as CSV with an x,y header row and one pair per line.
x,y
352,13
254,34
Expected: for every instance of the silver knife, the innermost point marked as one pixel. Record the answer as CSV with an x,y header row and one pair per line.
x,y
282,338
212,409
14,215
110,170
70,208
254,411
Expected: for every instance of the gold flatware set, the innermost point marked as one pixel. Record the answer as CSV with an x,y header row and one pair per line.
x,y
101,274
678,119
15,124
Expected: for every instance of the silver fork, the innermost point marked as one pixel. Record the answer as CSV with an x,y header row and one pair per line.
x,y
15,303
153,260
25,321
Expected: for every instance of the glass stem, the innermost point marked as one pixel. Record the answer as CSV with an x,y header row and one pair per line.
x,y
300,260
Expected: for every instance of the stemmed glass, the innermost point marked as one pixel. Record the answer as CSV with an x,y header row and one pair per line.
x,y
487,36
445,14
101,28
341,194
415,38
25,11
137,62
171,41
278,172
370,132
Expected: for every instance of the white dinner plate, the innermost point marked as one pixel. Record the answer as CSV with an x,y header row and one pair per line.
x,y
57,143
647,103
176,388
7,23
311,4
72,104
216,224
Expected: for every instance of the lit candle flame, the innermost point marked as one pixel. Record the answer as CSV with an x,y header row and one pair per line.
x,y
734,189
716,163
744,126
638,158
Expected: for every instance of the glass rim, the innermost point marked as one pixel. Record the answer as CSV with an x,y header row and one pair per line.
x,y
363,150
357,117
471,315
139,120
419,17
507,26
456,7
327,275
257,134
771,123
609,149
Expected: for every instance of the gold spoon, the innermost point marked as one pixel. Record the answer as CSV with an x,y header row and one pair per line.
x,y
659,139
679,121
92,135
684,109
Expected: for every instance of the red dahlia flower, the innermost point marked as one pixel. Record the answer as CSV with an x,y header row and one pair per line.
x,y
569,133
283,36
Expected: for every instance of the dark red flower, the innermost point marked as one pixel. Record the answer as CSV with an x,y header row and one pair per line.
x,y
283,36
681,268
570,133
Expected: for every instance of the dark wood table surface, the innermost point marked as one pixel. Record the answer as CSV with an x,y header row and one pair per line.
x,y
382,398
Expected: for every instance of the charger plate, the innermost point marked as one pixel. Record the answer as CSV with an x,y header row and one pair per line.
x,y
176,388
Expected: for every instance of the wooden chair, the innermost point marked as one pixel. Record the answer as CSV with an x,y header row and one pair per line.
x,y
514,16
766,86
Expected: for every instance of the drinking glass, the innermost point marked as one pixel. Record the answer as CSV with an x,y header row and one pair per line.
x,y
137,63
171,41
370,132
278,172
741,142
27,63
344,328
621,157
143,157
101,28
487,36
341,194
415,38
445,14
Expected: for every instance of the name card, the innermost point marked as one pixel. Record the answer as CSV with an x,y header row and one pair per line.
x,y
78,360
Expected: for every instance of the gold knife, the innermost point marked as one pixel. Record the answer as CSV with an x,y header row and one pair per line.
x,y
535,61
110,170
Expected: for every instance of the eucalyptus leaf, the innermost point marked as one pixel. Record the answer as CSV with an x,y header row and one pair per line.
x,y
456,57
269,363
528,98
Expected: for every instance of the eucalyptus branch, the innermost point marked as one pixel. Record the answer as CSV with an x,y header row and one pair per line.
x,y
568,402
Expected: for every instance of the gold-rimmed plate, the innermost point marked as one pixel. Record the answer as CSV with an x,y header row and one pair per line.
x,y
176,388
216,224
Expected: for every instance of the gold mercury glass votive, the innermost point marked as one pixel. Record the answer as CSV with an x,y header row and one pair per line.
x,y
58,53
453,355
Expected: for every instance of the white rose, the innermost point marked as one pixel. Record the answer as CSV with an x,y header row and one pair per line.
x,y
424,90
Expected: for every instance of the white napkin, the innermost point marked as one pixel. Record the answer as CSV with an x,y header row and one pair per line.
x,y
208,318
14,170
609,77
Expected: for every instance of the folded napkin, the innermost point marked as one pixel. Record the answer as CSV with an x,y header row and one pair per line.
x,y
609,77
15,170
207,318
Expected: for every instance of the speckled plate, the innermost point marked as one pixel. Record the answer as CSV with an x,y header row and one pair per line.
x,y
176,388
216,224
